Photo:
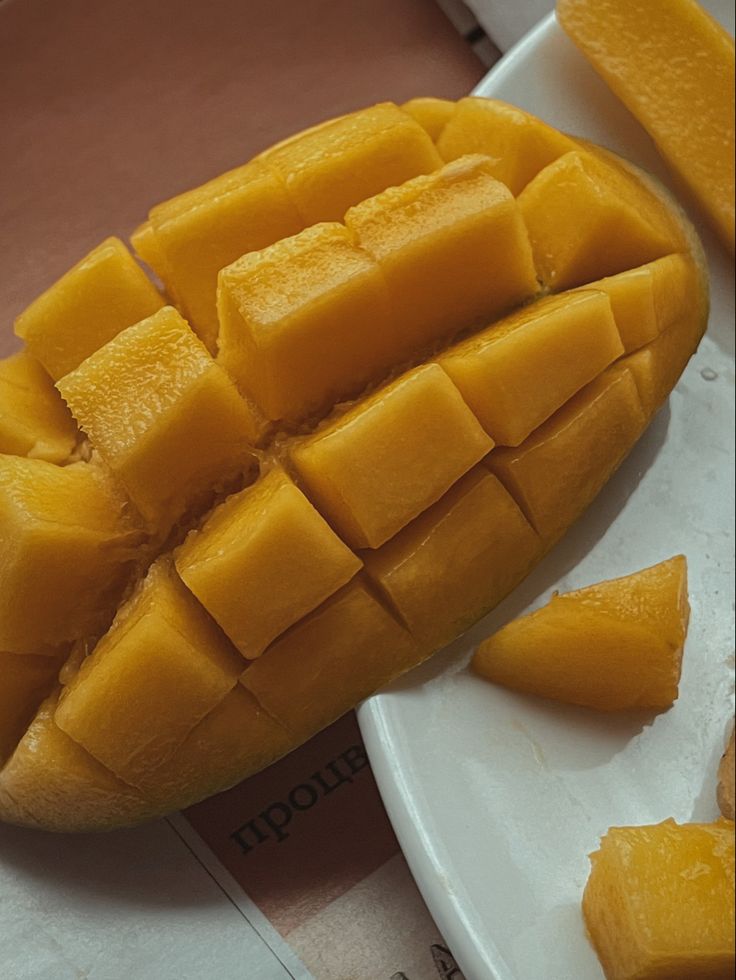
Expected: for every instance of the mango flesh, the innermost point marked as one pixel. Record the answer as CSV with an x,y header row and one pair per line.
x,y
611,646
27,680
266,566
103,294
672,66
384,462
659,902
34,421
431,114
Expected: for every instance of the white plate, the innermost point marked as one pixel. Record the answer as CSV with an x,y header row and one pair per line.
x,y
497,798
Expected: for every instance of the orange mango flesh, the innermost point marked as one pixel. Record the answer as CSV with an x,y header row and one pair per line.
x,y
384,462
273,573
104,293
611,646
431,114
26,682
34,421
672,65
659,902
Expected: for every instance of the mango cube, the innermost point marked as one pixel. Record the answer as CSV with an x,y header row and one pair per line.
x,y
431,114
587,221
558,470
162,634
377,467
333,166
611,646
452,248
518,144
517,373
25,680
263,559
69,540
101,295
340,654
34,421
659,903
305,322
456,560
163,415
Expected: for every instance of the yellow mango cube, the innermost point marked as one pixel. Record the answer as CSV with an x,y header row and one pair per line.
x,y
374,469
431,114
518,372
518,144
34,421
456,560
263,559
163,634
340,654
452,248
333,166
586,221
305,322
659,902
558,470
25,680
611,646
163,415
68,543
101,295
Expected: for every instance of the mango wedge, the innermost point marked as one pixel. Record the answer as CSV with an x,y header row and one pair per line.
x,y
34,421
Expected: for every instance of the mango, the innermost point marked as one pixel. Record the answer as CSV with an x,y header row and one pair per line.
x,y
518,144
518,372
101,295
431,114
726,778
611,646
659,902
25,681
34,421
69,541
672,65
161,633
262,560
163,415
377,467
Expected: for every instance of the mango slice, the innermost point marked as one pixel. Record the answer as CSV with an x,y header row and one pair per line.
x,y
578,448
610,646
34,421
161,633
726,778
672,65
69,539
518,372
25,682
476,531
162,414
310,673
101,295
659,902
518,144
431,114
377,467
264,559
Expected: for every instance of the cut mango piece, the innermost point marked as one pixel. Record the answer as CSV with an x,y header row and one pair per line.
x,y
305,322
381,464
24,682
672,65
659,903
611,646
34,421
263,559
164,635
330,168
431,114
726,777
558,470
51,782
519,145
101,295
329,661
518,372
586,221
68,543
452,247
146,246
163,415
456,560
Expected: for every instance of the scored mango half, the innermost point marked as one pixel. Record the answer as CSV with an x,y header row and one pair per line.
x,y
401,354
